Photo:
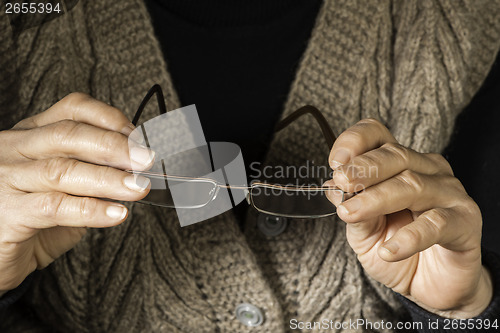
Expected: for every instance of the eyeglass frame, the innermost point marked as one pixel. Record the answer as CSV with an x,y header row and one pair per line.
x,y
327,132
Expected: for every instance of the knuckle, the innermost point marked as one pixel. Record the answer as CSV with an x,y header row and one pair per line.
x,y
63,130
438,219
56,170
410,235
51,204
10,138
455,184
359,188
470,206
102,177
372,196
374,123
414,180
351,135
74,100
371,122
25,123
110,141
366,161
398,150
363,167
441,163
88,208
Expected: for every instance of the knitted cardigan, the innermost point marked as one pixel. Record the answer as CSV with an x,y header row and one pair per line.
x,y
411,64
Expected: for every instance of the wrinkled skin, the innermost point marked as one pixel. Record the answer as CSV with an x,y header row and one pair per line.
x,y
56,169
412,225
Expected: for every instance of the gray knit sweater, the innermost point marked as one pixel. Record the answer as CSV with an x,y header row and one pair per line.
x,y
412,64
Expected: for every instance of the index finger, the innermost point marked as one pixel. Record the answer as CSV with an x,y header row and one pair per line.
x,y
81,108
365,135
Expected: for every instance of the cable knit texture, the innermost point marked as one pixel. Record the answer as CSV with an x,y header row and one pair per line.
x,y
412,64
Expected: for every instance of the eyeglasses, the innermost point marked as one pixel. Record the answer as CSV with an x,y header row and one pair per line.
x,y
190,193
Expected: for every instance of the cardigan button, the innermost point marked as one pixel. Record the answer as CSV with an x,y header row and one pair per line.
x,y
249,315
270,225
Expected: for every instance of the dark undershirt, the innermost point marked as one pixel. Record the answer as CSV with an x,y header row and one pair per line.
x,y
237,60
474,154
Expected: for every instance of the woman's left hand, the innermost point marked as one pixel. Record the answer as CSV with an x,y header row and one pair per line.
x,y
412,226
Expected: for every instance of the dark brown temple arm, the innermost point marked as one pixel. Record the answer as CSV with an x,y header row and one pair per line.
x,y
323,123
307,109
156,89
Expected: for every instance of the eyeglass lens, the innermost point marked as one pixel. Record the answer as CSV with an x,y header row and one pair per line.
x,y
294,201
188,193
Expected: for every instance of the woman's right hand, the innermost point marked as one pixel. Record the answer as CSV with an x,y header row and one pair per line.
x,y
53,168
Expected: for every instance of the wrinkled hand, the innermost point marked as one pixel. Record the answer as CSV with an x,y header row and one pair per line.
x,y
412,225
53,168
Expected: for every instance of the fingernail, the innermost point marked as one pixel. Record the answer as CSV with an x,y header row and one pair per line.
x,y
352,205
340,158
142,156
342,211
392,247
116,212
136,183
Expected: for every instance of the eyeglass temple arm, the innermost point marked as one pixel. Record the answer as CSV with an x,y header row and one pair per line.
x,y
307,109
156,89
323,123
